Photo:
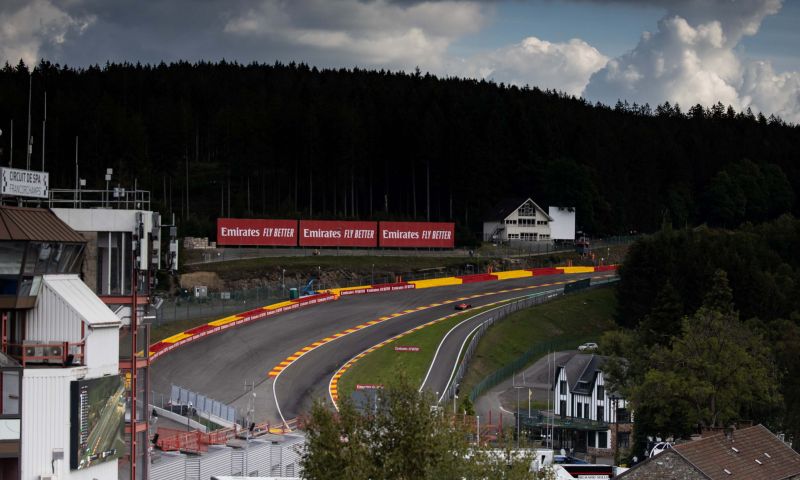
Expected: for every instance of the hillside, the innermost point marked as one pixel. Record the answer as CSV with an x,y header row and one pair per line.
x,y
289,141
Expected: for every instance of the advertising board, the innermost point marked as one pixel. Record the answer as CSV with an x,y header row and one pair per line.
x,y
244,231
417,234
97,421
332,233
24,183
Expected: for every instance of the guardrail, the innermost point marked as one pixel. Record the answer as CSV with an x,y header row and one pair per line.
x,y
536,351
499,314
171,440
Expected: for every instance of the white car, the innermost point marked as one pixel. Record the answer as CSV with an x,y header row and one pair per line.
x,y
586,347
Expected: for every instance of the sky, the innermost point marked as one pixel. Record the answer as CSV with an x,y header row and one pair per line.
x,y
739,52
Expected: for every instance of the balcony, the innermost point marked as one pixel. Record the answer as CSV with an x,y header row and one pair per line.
x,y
63,354
540,418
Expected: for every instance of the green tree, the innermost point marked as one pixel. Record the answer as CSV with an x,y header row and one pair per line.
x,y
716,369
660,325
402,437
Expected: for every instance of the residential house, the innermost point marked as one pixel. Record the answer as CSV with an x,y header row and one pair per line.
x,y
752,453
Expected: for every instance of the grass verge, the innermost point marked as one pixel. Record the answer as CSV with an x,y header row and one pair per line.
x,y
247,268
384,364
576,319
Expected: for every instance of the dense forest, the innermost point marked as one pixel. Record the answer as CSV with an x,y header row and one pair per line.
x,y
718,314
213,139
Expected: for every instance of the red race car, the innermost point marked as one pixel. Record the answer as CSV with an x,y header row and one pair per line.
x,y
463,306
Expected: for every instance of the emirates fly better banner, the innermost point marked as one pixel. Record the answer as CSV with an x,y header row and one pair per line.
x,y
325,233
417,234
241,231
333,233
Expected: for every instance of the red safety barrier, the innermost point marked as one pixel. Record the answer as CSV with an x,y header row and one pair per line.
x,y
196,441
201,328
478,277
606,268
176,441
158,346
161,348
546,271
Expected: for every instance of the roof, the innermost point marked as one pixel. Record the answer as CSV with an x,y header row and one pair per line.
x,y
583,368
81,300
35,224
507,206
758,454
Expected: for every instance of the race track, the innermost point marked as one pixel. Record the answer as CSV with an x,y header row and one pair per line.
x,y
218,365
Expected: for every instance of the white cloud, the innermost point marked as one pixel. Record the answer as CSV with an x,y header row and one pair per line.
x,y
376,33
561,66
692,58
32,25
769,92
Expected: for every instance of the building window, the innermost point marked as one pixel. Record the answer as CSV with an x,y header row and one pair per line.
x,y
600,416
591,439
580,410
10,388
585,410
563,387
623,415
600,392
113,262
602,439
623,440
526,210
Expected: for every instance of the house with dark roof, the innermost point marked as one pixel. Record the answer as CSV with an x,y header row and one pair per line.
x,y
517,219
590,419
752,453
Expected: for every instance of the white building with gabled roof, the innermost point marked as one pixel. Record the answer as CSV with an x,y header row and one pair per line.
x,y
517,219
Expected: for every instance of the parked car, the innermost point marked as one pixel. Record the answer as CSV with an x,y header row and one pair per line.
x,y
587,347
463,306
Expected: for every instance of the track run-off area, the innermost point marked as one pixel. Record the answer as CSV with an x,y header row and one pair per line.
x,y
293,355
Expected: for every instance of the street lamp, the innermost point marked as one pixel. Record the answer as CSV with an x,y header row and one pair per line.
x,y
455,396
189,417
109,172
517,387
614,399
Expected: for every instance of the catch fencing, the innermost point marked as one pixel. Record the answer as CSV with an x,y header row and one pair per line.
x,y
530,355
186,403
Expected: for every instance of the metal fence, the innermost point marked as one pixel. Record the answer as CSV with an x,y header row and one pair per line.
x,y
220,304
498,315
509,249
185,402
526,358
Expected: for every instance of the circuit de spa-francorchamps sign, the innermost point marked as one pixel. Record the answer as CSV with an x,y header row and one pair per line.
x,y
24,183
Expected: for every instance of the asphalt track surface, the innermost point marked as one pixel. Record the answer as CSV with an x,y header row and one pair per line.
x,y
219,365
445,361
